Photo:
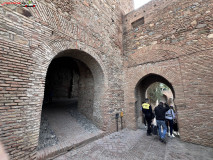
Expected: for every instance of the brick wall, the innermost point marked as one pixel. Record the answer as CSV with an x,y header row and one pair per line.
x,y
86,91
89,31
174,42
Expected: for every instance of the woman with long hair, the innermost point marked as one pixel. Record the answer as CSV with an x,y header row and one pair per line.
x,y
170,116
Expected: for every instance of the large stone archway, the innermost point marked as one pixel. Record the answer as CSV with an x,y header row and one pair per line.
x,y
43,57
98,84
62,115
90,59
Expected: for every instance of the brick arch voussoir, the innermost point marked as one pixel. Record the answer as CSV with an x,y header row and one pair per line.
x,y
140,76
165,76
48,51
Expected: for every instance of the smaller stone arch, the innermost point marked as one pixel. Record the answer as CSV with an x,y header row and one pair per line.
x,y
150,78
140,92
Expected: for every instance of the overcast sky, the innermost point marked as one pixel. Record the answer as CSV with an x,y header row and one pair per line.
x,y
139,3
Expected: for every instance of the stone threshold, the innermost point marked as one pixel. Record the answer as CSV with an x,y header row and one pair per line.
x,y
51,152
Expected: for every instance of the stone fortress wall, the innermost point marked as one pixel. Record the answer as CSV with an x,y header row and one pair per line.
x,y
174,42
31,37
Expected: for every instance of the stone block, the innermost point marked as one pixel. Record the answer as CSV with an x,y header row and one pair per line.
x,y
11,28
210,36
13,17
5,34
201,26
21,40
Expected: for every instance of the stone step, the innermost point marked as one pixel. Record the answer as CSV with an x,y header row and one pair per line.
x,y
64,147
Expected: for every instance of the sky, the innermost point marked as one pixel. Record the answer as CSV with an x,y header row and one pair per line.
x,y
139,3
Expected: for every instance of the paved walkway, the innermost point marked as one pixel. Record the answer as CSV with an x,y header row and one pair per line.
x,y
135,145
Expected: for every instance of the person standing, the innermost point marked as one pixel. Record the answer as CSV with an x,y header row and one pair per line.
x,y
148,114
160,111
170,116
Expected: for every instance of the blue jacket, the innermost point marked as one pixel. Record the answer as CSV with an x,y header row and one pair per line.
x,y
170,114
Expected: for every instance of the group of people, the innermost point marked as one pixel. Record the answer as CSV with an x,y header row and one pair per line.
x,y
164,115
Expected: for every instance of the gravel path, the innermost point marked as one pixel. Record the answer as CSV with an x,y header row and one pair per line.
x,y
83,121
61,121
47,136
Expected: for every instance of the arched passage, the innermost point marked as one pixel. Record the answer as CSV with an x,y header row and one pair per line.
x,y
72,102
140,92
98,75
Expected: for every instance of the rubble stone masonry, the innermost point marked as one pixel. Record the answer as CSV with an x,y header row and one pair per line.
x,y
174,42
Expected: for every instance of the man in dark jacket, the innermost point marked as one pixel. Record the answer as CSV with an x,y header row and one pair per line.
x,y
147,111
160,111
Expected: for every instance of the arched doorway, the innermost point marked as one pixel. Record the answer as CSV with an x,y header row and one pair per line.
x,y
72,102
141,93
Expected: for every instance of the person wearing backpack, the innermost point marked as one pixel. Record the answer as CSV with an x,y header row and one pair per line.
x,y
147,111
170,116
160,111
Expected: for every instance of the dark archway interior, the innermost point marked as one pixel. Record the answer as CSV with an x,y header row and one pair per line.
x,y
67,111
140,93
62,80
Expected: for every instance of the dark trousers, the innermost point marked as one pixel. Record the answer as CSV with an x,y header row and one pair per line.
x,y
144,120
170,124
149,129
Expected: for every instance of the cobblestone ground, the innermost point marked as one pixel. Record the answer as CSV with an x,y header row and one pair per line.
x,y
135,145
61,121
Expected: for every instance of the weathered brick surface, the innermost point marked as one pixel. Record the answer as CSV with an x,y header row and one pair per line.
x,y
89,31
174,42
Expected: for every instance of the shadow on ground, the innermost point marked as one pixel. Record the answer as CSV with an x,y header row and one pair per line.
x,y
61,121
